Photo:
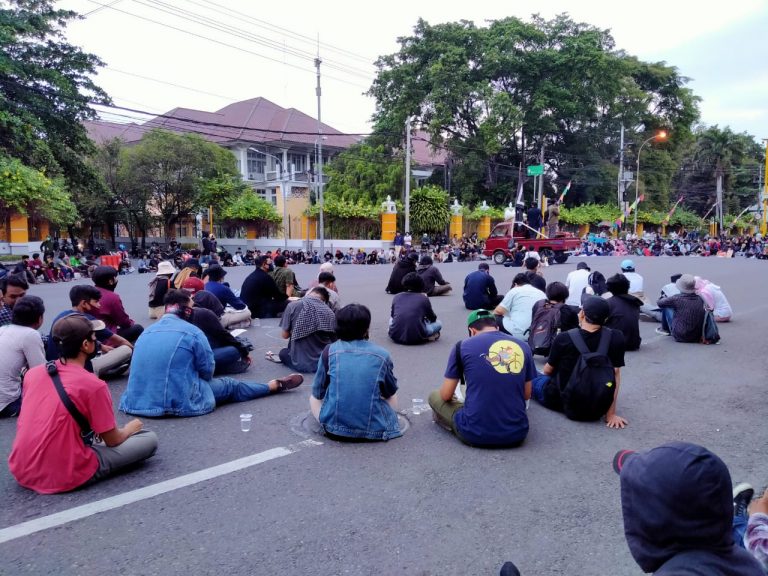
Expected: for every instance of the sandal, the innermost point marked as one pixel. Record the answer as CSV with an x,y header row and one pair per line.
x,y
272,357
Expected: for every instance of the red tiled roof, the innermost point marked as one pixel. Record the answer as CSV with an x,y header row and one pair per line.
x,y
243,121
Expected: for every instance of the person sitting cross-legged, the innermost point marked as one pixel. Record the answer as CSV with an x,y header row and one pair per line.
x,y
412,319
498,370
172,369
49,453
236,313
354,395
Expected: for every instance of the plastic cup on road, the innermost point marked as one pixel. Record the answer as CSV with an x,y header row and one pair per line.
x,y
418,405
245,422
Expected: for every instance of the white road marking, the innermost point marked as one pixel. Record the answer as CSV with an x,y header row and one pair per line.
x,y
119,500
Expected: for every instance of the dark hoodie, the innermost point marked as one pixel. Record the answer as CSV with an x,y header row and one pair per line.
x,y
402,267
431,276
625,317
678,513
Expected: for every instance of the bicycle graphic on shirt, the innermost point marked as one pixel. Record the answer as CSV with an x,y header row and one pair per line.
x,y
506,357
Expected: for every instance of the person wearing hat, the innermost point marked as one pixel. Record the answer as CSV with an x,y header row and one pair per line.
x,y
480,289
173,367
114,355
158,288
564,357
678,512
576,282
635,280
498,371
682,315
111,311
434,283
49,454
238,315
405,265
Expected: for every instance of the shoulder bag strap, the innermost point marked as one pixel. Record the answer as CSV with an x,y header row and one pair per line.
x,y
605,341
82,421
578,341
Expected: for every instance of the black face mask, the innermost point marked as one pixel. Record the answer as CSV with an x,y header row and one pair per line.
x,y
96,348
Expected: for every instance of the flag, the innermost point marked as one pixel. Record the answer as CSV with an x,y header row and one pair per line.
x,y
565,191
672,211
519,190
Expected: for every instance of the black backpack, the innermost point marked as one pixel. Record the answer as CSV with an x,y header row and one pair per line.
x,y
591,387
544,327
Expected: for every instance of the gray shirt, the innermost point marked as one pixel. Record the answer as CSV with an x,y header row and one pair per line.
x,y
20,347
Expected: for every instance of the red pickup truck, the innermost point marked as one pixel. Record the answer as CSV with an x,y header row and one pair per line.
x,y
506,236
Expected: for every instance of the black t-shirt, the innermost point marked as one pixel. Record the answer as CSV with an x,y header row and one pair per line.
x,y
563,357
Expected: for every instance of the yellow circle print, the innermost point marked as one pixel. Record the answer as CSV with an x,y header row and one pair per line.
x,y
506,357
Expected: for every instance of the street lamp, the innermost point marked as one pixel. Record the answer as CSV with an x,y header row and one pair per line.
x,y
662,135
283,189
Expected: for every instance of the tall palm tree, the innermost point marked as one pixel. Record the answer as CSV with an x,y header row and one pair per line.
x,y
717,148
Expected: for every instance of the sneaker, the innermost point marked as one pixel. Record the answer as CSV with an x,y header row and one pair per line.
x,y
662,332
742,496
289,382
509,569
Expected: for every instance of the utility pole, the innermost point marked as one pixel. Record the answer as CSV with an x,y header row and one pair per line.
x,y
321,222
620,186
408,173
764,199
541,179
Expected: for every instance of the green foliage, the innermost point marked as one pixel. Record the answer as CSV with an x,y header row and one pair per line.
x,y
589,214
365,172
45,90
429,210
31,193
477,213
248,207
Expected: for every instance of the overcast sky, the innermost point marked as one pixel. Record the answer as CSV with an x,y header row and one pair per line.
x,y
268,49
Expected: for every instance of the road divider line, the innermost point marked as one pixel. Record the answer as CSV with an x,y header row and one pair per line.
x,y
120,500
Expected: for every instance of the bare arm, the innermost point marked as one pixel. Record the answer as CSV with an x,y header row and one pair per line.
x,y
500,311
548,370
117,436
448,388
116,341
612,420
528,390
285,334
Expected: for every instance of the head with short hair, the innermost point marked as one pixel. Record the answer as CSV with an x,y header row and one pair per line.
x,y
13,286
520,280
320,292
618,284
74,332
531,263
412,282
596,281
215,273
426,261
177,298
280,261
557,292
261,261
28,311
325,277
353,322
104,276
484,266
83,293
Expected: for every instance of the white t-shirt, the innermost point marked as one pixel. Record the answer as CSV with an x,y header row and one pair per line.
x,y
635,282
576,281
20,347
722,306
518,303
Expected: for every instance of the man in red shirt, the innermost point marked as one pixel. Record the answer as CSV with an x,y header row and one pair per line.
x,y
112,312
48,453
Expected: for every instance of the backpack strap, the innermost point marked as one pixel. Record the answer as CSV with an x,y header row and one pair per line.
x,y
459,362
86,432
578,341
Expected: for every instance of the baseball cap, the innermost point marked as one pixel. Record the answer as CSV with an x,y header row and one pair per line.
x,y
627,264
193,284
75,328
595,308
476,315
582,266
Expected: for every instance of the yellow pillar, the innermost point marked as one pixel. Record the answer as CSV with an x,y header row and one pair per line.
x,y
764,223
583,230
312,223
45,229
388,226
457,225
250,232
19,231
484,228
663,229
639,228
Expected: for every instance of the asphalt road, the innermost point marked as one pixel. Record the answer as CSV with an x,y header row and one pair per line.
x,y
422,504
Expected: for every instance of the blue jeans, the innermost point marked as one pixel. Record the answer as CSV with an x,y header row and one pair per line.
x,y
667,315
12,409
739,529
230,390
433,327
228,361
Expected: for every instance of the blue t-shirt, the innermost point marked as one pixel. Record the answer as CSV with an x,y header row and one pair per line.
x,y
496,368
52,351
225,295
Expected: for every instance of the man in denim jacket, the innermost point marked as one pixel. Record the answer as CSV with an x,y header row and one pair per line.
x,y
172,369
354,396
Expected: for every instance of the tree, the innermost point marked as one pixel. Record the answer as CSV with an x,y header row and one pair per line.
x,y
179,173
494,96
365,171
429,210
249,209
45,91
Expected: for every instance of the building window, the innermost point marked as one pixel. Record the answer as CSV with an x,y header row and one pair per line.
x,y
257,165
298,161
268,194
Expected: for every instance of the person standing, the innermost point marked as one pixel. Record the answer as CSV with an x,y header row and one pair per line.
x,y
498,371
480,289
553,219
534,218
49,454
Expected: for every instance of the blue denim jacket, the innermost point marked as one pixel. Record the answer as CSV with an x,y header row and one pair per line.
x,y
354,404
170,369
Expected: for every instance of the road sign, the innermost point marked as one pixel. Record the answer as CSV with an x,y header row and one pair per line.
x,y
536,170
